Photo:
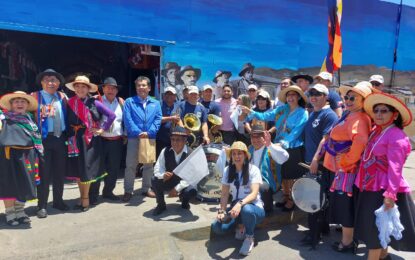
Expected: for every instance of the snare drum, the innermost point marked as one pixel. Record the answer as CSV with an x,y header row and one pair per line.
x,y
209,188
307,194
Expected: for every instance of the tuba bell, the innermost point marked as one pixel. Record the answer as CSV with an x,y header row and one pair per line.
x,y
214,133
192,122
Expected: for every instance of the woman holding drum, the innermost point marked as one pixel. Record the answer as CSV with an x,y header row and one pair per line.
x,y
379,179
344,147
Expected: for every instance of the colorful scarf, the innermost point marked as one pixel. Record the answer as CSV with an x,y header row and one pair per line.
x,y
84,114
29,127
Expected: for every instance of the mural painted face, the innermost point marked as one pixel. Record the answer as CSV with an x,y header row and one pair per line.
x,y
222,80
189,78
249,75
171,76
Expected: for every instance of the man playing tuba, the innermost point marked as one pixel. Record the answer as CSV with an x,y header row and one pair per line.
x,y
193,117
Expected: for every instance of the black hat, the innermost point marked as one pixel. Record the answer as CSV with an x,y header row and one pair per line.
x,y
169,66
186,68
247,66
178,130
302,76
50,72
220,73
112,82
257,129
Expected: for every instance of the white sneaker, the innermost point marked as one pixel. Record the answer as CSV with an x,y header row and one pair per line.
x,y
247,245
240,233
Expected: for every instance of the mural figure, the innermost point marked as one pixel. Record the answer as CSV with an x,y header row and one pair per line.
x,y
188,76
240,86
221,79
169,73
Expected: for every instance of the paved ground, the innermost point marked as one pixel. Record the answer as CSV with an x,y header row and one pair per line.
x,y
129,231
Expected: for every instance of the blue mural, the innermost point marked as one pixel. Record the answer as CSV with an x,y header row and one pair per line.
x,y
223,35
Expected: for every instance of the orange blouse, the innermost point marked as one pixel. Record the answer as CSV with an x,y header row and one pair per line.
x,y
356,128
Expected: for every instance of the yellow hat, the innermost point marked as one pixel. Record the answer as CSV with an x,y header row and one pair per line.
x,y
238,145
383,98
82,80
5,100
282,96
363,88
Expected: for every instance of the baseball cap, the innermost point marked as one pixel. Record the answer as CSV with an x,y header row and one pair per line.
x,y
193,89
252,86
263,94
377,78
320,88
170,89
325,76
207,86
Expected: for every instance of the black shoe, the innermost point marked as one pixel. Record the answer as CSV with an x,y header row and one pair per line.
x,y
159,209
339,247
13,222
127,197
84,209
111,196
285,209
279,204
24,220
42,213
60,206
93,200
185,205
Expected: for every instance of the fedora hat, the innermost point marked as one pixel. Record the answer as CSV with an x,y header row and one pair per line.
x,y
302,76
49,72
383,98
169,66
82,80
363,88
247,66
238,145
220,73
257,129
187,68
178,130
5,100
283,93
110,81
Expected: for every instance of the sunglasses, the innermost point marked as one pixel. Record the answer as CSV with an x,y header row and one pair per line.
x,y
382,111
314,94
351,98
376,84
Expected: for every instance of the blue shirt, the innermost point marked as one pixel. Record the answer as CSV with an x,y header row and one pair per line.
x,y
185,107
318,125
334,99
164,132
290,125
212,107
47,98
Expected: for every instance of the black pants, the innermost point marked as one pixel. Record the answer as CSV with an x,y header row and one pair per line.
x,y
112,161
52,169
159,186
266,196
229,137
160,144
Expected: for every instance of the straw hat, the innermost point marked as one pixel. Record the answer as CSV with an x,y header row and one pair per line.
x,y
84,80
363,88
383,98
5,100
238,145
282,96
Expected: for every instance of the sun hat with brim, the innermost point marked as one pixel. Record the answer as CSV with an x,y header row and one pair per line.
x,y
82,80
363,88
302,76
238,145
282,96
49,72
383,98
5,100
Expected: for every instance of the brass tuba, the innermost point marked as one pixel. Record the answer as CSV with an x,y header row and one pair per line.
x,y
214,134
192,122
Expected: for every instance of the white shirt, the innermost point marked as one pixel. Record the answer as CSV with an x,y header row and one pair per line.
x,y
278,154
116,127
244,190
160,167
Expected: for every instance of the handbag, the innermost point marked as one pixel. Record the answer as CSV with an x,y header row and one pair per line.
x,y
146,150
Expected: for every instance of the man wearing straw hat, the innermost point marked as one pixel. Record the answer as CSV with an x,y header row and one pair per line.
x,y
50,118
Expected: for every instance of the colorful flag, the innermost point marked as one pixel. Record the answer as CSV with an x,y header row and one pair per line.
x,y
333,60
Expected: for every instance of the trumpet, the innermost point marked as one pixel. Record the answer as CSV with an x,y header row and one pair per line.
x,y
214,133
192,122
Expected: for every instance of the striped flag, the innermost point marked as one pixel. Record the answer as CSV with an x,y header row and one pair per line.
x,y
333,60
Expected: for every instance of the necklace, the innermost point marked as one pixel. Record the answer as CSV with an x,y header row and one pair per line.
x,y
373,147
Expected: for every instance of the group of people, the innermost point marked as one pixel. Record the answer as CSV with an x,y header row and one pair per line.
x,y
353,141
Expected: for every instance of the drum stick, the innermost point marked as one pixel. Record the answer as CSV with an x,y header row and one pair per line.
x,y
304,165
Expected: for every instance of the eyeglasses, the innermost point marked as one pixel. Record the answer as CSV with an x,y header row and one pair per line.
x,y
51,81
314,94
376,84
382,111
351,98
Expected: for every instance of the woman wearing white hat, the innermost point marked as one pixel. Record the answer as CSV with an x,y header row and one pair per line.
x,y
379,179
85,144
344,147
20,149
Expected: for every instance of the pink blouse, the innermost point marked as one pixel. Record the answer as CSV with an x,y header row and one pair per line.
x,y
382,163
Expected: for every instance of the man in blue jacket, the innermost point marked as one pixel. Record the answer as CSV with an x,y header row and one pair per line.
x,y
142,119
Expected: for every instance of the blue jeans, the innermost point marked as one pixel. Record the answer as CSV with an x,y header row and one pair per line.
x,y
250,216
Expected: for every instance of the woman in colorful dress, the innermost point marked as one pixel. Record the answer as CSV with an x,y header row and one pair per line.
x,y
86,124
20,149
379,180
344,147
290,120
